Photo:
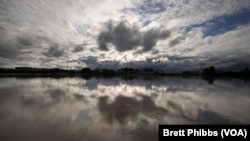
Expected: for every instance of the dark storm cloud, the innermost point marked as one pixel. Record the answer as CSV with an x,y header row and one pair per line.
x,y
23,47
151,36
211,117
10,47
121,36
105,36
180,58
24,41
77,48
43,39
174,42
92,62
8,50
127,37
167,62
155,51
158,63
235,62
2,28
54,51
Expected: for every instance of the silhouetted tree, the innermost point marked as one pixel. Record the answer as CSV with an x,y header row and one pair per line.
x,y
211,71
127,70
209,74
86,70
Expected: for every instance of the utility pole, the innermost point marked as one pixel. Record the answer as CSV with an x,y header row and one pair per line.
x,y
67,58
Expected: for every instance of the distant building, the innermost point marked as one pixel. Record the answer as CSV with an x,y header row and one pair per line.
x,y
23,68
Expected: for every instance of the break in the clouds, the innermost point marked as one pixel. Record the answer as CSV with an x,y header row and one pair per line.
x,y
111,34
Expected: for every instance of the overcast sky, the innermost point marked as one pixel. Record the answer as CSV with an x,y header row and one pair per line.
x,y
169,34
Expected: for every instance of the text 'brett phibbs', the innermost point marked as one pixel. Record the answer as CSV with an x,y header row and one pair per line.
x,y
206,132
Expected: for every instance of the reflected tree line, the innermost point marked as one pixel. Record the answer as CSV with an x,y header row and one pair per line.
x,y
211,73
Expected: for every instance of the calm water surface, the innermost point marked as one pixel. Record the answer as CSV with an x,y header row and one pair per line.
x,y
76,109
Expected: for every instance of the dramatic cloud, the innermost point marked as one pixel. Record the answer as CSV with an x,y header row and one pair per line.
x,y
77,48
174,42
54,51
93,62
121,36
127,37
136,33
8,50
24,41
150,38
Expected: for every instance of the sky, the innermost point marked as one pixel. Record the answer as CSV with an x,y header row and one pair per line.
x,y
160,34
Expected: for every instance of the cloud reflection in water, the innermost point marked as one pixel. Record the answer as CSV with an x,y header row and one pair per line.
x,y
114,109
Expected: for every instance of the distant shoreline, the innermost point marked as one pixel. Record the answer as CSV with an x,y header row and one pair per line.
x,y
208,74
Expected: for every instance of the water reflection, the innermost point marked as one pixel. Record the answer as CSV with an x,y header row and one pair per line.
x,y
126,109
77,109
